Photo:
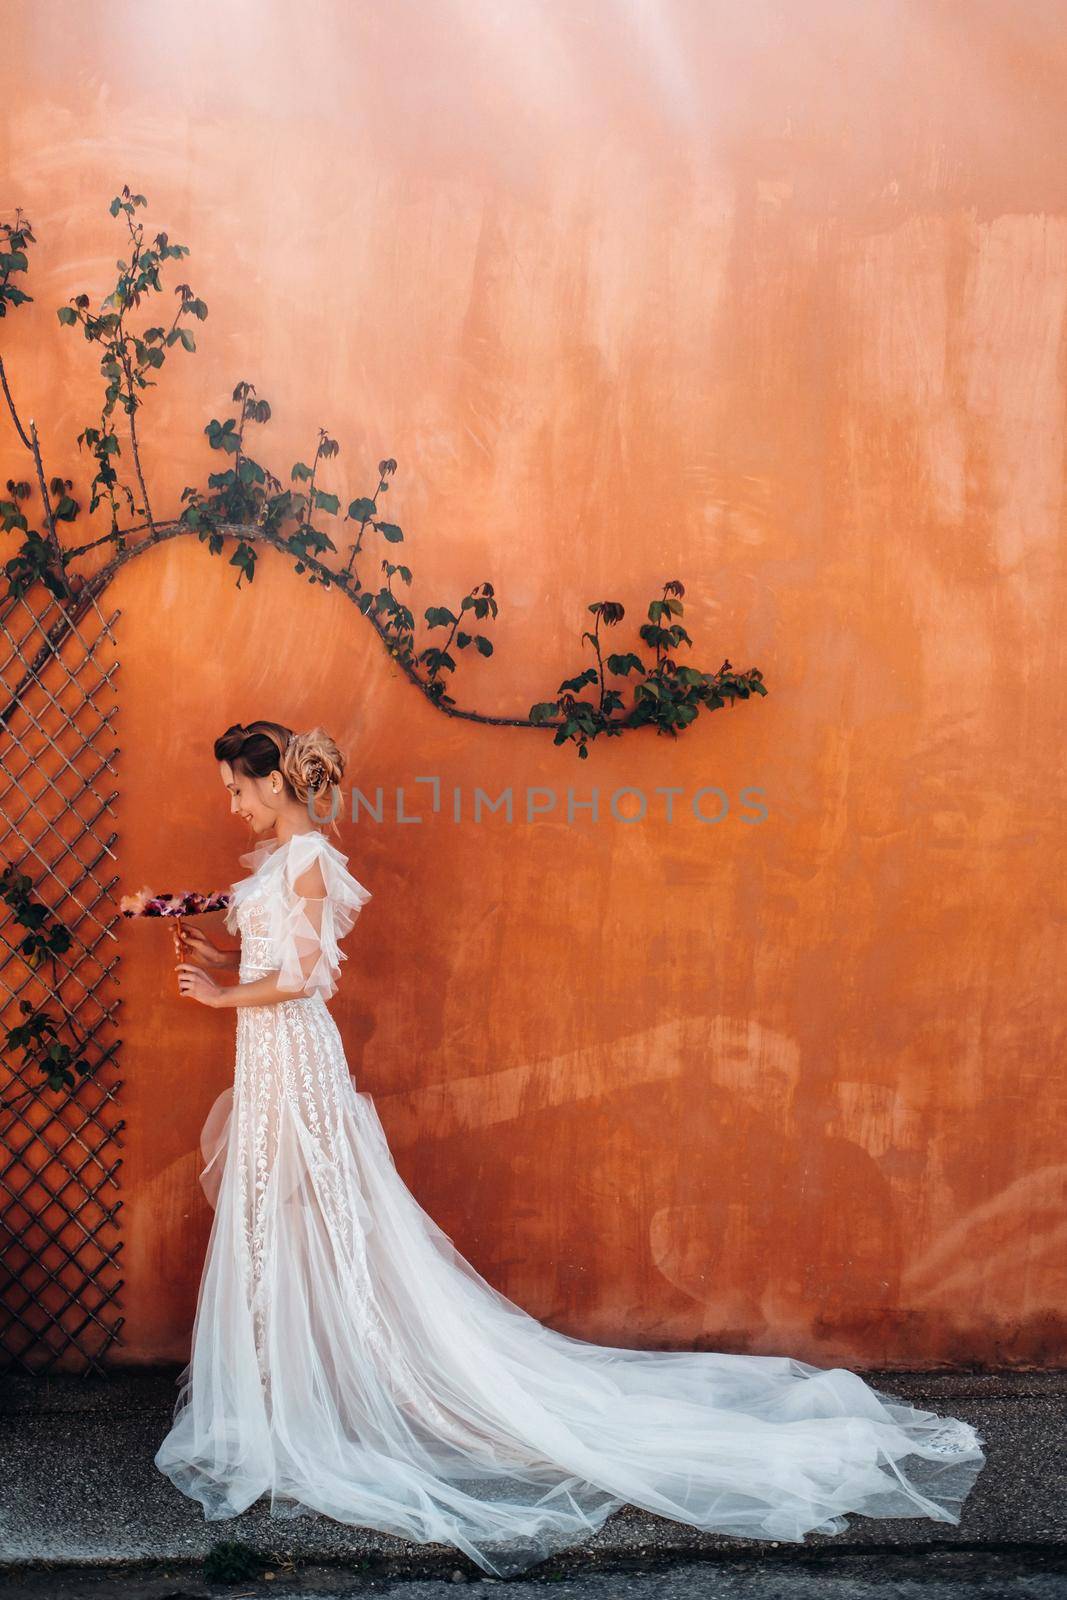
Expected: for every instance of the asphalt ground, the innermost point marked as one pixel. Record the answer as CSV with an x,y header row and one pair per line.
x,y
85,1512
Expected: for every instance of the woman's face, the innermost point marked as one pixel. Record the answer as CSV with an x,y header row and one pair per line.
x,y
251,799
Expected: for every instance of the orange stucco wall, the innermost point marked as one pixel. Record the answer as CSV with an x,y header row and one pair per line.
x,y
767,298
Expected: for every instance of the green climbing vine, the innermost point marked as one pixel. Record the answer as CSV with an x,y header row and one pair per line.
x,y
244,506
38,1036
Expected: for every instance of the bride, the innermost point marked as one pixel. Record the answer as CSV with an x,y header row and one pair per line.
x,y
347,1360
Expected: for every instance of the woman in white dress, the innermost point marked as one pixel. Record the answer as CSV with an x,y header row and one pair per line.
x,y
347,1360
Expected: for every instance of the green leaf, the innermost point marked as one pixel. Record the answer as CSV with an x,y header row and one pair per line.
x,y
67,315
624,664
439,617
588,676
390,531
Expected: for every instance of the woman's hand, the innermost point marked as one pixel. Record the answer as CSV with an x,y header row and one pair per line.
x,y
195,943
195,984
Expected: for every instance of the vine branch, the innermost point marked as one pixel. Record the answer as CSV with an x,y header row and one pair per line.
x,y
246,504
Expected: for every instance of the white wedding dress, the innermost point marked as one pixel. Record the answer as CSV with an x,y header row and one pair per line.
x,y
347,1360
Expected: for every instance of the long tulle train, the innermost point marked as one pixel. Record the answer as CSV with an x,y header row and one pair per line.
x,y
347,1360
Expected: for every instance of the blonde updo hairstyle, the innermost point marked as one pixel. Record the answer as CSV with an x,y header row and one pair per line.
x,y
310,764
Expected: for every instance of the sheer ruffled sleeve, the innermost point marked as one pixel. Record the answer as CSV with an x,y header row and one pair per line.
x,y
314,901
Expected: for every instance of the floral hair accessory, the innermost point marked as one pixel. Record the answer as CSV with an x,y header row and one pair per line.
x,y
315,774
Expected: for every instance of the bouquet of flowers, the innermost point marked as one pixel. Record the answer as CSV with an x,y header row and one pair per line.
x,y
186,904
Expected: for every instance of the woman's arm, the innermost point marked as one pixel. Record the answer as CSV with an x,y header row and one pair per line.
x,y
257,992
195,942
197,984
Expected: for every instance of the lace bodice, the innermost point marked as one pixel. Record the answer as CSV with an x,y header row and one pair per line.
x,y
257,948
